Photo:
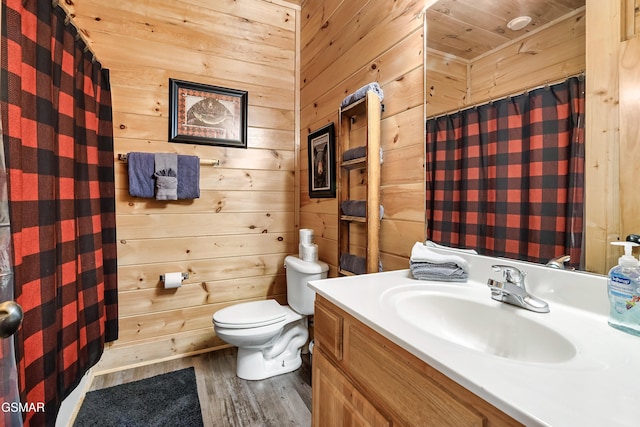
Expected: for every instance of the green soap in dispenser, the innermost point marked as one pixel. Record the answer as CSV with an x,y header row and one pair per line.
x,y
623,285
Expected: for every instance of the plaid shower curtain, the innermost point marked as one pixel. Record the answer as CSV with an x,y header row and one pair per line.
x,y
507,178
58,136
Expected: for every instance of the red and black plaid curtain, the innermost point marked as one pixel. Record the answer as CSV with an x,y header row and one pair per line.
x,y
507,178
58,136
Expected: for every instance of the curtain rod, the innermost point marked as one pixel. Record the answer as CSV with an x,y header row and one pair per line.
x,y
203,162
79,36
580,76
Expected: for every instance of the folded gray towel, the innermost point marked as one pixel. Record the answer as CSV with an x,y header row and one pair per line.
x,y
166,173
354,153
354,207
140,167
423,253
447,272
358,153
357,208
361,93
355,264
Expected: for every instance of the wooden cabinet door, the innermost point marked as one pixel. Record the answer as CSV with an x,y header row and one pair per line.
x,y
336,402
327,329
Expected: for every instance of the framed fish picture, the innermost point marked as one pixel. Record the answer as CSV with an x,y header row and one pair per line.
x,y
205,114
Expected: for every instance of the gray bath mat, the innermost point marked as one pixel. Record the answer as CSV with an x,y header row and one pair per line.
x,y
165,400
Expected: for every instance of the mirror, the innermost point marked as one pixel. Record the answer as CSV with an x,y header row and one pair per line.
x,y
479,51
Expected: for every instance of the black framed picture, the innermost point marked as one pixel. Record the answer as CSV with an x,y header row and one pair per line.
x,y
322,162
205,114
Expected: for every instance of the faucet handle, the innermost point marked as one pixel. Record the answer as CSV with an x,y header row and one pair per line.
x,y
559,261
511,274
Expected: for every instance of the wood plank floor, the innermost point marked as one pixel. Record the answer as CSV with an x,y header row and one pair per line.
x,y
228,401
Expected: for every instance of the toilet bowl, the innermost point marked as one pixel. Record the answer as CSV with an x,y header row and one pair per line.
x,y
269,336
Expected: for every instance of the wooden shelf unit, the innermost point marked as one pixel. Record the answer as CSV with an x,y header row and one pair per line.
x,y
351,136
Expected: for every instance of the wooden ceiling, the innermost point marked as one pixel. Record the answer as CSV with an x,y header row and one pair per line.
x,y
470,28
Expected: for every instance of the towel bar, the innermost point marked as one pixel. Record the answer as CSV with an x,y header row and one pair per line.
x,y
205,162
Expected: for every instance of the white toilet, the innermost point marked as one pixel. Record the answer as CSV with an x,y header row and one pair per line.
x,y
269,336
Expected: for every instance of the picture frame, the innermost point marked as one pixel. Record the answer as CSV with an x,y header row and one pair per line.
x,y
208,115
322,162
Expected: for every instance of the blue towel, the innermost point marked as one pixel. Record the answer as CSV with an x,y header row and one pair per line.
x,y
141,170
188,177
362,92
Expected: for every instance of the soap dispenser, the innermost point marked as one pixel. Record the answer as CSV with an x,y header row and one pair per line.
x,y
623,286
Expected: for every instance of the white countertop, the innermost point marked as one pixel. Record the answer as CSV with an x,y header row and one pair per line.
x,y
597,387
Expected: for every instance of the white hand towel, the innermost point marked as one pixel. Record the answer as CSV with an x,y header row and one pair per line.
x,y
435,245
421,253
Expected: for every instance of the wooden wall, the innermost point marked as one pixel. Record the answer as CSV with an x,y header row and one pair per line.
x,y
546,55
612,154
233,239
345,45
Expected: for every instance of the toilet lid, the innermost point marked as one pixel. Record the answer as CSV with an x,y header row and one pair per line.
x,y
250,314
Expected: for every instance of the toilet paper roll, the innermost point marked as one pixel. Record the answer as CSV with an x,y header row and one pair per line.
x,y
309,253
172,280
306,236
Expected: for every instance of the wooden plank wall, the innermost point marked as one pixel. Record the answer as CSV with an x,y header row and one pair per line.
x,y
603,133
233,239
612,154
345,45
447,83
547,55
630,133
628,67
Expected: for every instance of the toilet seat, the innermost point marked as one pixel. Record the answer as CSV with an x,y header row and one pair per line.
x,y
247,315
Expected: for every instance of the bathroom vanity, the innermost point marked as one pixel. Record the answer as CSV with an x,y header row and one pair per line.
x,y
397,387
392,350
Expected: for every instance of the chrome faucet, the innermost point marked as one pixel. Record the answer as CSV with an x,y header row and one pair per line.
x,y
513,290
559,262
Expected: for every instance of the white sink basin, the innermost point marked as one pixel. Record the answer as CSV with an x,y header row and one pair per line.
x,y
562,368
471,319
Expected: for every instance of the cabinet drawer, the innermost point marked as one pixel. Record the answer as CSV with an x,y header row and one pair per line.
x,y
327,329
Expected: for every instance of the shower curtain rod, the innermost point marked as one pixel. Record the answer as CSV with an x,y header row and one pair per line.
x,y
79,35
580,75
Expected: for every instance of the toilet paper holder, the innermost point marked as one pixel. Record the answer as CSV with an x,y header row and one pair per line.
x,y
184,276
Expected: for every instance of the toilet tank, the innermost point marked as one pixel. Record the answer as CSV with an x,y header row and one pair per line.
x,y
301,297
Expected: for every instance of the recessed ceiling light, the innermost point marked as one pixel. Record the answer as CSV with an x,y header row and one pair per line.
x,y
519,23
